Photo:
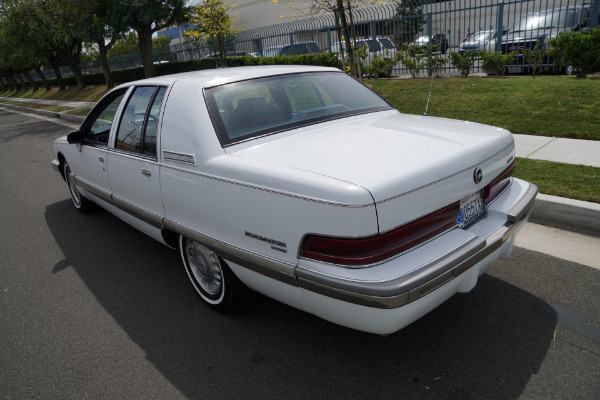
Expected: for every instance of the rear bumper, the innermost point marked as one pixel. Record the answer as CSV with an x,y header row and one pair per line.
x,y
427,277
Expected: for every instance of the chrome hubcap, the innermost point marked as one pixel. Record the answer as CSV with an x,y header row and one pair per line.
x,y
205,267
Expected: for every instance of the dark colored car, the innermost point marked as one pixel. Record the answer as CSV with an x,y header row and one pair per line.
x,y
477,41
438,40
300,48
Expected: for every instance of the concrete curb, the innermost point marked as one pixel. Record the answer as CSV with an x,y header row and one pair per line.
x,y
572,215
568,214
68,117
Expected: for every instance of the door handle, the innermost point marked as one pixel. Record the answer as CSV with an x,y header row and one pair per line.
x,y
147,173
101,159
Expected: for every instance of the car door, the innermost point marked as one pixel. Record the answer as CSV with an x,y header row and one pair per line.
x,y
133,169
88,160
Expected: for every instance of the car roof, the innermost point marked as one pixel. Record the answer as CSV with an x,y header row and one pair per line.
x,y
221,76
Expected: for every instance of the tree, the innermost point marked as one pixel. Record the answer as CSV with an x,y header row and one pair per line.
x,y
411,19
101,28
344,22
212,22
128,44
57,41
19,51
147,17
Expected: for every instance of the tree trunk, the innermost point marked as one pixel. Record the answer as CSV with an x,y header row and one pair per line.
x,y
11,80
358,61
105,65
76,71
2,86
145,37
32,83
42,77
54,62
73,61
214,46
351,59
223,50
21,81
339,36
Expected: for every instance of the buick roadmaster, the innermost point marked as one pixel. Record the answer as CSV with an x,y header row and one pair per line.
x,y
304,185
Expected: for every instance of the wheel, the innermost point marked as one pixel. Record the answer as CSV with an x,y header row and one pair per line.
x,y
211,277
81,203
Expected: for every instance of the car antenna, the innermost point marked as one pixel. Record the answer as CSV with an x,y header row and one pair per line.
x,y
428,96
433,75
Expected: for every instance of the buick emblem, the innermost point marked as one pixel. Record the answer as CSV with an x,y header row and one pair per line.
x,y
477,175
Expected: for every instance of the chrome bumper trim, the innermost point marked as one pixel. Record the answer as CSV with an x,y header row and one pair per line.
x,y
399,292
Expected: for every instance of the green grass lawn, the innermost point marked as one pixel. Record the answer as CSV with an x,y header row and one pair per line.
x,y
560,106
578,182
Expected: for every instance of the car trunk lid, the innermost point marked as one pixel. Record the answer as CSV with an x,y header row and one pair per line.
x,y
411,165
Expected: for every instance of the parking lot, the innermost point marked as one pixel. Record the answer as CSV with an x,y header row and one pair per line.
x,y
92,308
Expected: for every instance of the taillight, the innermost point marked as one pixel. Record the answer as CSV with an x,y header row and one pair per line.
x,y
373,249
495,187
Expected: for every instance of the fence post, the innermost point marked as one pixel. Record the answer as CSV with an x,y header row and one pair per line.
x,y
373,30
499,27
595,12
430,35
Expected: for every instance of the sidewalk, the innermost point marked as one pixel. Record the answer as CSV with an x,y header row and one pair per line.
x,y
568,214
569,151
73,104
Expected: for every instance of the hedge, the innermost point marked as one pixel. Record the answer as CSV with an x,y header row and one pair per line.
x,y
134,74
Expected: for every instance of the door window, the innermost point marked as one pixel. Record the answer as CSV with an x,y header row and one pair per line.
x,y
137,130
97,128
149,144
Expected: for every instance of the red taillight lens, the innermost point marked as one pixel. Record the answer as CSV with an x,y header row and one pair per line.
x,y
373,249
495,187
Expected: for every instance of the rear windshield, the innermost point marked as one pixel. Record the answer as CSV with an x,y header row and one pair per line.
x,y
245,110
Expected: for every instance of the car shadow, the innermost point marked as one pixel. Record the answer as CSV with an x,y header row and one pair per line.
x,y
484,344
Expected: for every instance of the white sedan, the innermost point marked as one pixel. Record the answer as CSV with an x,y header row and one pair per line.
x,y
304,185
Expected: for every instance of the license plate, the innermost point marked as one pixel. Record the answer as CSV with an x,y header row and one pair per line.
x,y
515,70
471,207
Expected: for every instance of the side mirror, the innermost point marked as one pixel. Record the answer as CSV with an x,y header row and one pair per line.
x,y
75,137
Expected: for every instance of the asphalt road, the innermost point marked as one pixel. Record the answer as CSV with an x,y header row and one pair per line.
x,y
91,308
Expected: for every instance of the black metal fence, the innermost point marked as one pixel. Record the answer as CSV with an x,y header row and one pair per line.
x,y
456,25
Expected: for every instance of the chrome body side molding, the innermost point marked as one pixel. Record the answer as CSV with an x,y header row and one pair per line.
x,y
188,159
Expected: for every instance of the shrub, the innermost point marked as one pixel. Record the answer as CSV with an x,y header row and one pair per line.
x,y
412,58
463,61
580,50
496,62
535,57
436,64
134,74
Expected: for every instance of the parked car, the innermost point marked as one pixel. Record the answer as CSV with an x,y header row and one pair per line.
x,y
477,41
536,28
303,184
272,51
300,48
438,41
381,46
